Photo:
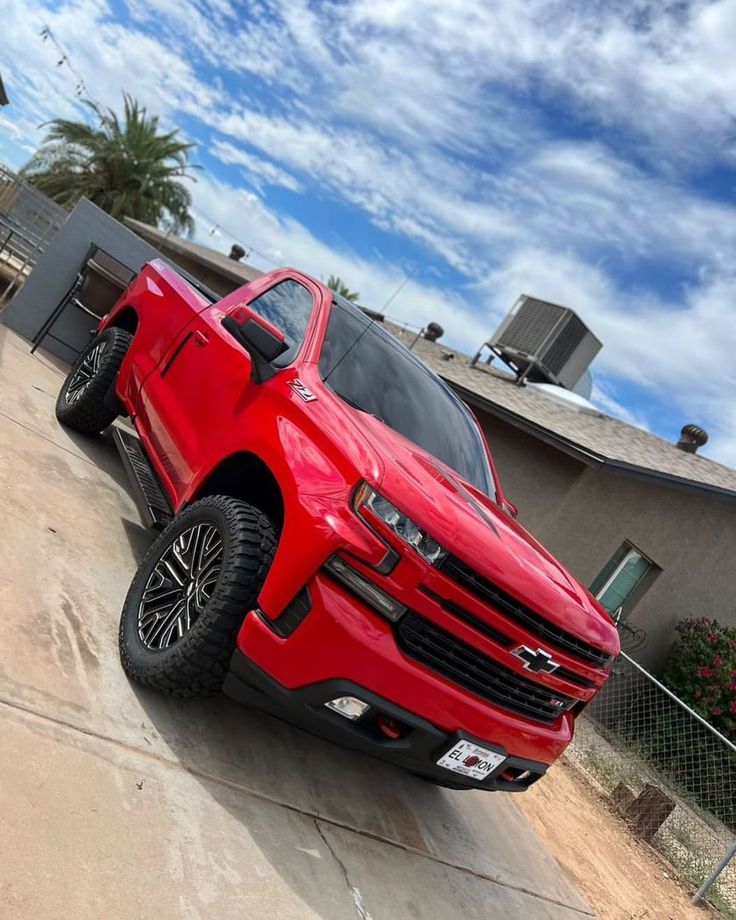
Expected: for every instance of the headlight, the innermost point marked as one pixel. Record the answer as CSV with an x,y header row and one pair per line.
x,y
367,499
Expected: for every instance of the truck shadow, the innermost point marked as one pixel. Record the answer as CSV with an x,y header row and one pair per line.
x,y
101,450
262,770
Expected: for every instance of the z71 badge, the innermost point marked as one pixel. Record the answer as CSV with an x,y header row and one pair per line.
x,y
302,391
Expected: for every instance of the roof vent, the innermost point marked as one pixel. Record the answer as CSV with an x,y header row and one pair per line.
x,y
691,438
433,332
236,253
543,342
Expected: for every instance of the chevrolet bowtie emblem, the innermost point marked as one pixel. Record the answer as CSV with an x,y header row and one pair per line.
x,y
536,660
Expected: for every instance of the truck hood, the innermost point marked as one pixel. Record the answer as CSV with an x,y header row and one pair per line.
x,y
473,527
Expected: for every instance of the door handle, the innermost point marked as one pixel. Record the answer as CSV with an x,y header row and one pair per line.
x,y
201,339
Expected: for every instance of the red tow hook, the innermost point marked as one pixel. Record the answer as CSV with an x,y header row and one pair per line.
x,y
390,727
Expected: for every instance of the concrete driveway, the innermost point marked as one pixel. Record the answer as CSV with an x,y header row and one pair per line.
x,y
115,802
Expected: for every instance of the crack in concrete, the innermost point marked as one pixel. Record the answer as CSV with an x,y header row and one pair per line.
x,y
354,891
242,789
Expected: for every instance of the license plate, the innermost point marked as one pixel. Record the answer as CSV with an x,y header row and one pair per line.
x,y
471,760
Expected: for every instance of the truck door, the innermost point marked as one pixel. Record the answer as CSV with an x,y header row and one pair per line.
x,y
203,386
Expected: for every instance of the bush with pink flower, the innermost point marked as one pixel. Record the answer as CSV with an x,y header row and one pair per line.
x,y
701,670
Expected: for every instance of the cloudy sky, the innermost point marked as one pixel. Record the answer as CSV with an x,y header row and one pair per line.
x,y
583,152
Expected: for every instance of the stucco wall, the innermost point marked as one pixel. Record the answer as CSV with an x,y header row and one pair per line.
x,y
534,476
583,515
688,535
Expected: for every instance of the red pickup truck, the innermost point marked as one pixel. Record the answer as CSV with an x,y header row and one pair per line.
x,y
335,545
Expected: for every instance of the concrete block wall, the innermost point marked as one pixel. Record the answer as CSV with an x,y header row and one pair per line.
x,y
56,271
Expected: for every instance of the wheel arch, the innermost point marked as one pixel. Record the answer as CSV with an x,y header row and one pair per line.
x,y
126,318
246,476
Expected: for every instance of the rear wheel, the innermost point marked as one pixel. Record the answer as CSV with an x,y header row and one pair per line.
x,y
81,401
190,595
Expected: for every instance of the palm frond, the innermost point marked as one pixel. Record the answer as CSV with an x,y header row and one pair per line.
x,y
125,165
336,284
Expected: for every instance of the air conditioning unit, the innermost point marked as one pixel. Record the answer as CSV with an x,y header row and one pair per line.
x,y
544,342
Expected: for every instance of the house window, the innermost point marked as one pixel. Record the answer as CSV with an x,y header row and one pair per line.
x,y
620,577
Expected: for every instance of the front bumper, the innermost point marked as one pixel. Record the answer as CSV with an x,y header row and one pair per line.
x,y
342,642
417,750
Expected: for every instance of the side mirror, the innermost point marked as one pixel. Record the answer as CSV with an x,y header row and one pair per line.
x,y
262,344
510,508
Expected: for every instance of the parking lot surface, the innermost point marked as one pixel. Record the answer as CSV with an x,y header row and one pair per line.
x,y
115,802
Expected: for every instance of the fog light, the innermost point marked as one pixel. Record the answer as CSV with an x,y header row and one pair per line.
x,y
348,706
365,589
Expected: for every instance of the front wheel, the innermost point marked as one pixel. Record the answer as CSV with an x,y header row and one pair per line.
x,y
81,401
190,595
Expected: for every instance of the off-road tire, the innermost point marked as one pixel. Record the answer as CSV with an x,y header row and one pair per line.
x,y
87,413
196,664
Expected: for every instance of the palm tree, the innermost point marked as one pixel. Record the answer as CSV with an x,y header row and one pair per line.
x,y
128,169
336,284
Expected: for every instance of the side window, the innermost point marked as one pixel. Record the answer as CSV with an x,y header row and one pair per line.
x,y
288,305
620,576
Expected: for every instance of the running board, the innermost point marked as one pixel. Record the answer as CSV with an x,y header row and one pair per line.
x,y
151,501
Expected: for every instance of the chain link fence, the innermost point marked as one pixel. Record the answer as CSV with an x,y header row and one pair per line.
x,y
668,773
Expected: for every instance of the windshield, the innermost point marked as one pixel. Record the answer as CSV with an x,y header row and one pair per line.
x,y
370,369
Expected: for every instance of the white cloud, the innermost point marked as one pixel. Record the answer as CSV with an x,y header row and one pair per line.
x,y
644,66
254,167
396,189
110,57
578,194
